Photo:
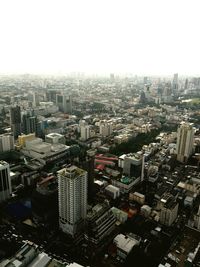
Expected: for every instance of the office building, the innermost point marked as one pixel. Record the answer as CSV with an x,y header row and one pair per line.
x,y
100,223
175,82
133,165
85,132
185,142
55,138
64,103
125,244
72,197
15,120
6,142
105,128
29,124
186,84
25,137
5,181
44,152
168,209
36,99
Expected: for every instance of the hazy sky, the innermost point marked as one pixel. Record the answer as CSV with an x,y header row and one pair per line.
x,y
136,36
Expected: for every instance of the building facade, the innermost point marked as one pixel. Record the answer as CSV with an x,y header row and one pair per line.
x,y
5,181
15,120
6,142
185,142
72,197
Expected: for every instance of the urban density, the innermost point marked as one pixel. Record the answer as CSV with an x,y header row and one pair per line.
x,y
99,170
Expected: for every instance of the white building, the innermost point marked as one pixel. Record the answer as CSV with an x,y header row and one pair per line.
x,y
169,210
138,197
85,132
105,128
112,191
6,142
72,193
55,138
44,152
185,142
125,244
120,215
5,181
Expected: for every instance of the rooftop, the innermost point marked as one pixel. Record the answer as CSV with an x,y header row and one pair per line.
x,y
126,243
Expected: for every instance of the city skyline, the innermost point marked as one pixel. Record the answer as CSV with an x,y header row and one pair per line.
x,y
140,37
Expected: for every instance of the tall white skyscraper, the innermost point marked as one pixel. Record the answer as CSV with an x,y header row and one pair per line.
x,y
5,181
185,142
72,196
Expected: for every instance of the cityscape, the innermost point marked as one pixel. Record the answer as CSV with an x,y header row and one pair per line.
x,y
99,171
99,133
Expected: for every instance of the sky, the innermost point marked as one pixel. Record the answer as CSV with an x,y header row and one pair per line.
x,y
143,37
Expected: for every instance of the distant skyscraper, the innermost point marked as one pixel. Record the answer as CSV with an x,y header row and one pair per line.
x,y
67,104
145,80
36,99
186,84
72,196
64,103
112,76
185,142
15,120
5,182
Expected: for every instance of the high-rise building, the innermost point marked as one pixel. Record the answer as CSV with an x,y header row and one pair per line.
x,y
185,142
6,142
29,124
36,99
85,132
64,103
72,197
5,181
175,82
169,209
67,104
105,128
15,120
88,165
100,223
186,84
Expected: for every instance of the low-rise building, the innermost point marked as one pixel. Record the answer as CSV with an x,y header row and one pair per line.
x,y
125,244
112,191
100,222
125,184
44,152
120,215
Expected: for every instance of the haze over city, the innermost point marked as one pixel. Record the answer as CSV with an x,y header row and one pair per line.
x,y
99,133
140,37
